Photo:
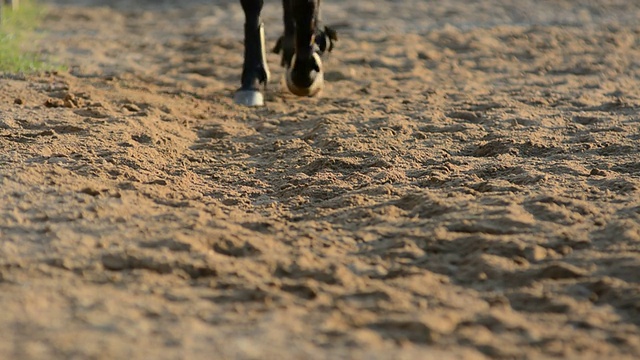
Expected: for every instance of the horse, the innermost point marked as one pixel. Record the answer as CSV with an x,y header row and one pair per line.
x,y
301,47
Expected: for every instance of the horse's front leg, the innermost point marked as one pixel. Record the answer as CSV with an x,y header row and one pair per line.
x,y
305,76
303,43
324,36
255,71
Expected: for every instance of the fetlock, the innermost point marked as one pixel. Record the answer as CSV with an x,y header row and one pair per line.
x,y
324,40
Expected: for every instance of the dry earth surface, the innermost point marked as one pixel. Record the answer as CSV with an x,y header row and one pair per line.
x,y
467,186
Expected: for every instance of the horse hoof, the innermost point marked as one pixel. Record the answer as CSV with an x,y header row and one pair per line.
x,y
248,98
312,89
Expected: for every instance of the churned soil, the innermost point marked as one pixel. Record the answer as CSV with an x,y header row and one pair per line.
x,y
467,186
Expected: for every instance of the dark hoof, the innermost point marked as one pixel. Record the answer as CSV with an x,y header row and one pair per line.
x,y
313,83
248,98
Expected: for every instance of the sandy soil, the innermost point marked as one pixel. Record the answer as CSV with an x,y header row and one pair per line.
x,y
467,187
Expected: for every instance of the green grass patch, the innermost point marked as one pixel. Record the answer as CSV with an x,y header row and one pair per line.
x,y
18,37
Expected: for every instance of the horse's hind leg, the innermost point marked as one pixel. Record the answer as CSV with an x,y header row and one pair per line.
x,y
286,43
255,71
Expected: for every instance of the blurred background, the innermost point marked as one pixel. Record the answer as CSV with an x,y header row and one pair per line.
x,y
421,15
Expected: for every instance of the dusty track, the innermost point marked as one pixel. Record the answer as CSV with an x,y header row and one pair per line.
x,y
466,187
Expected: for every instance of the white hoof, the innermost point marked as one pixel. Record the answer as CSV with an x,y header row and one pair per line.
x,y
248,98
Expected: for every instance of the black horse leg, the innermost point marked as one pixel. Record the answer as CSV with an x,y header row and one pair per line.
x,y
303,43
324,36
255,71
305,77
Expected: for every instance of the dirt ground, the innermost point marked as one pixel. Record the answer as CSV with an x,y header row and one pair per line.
x,y
466,187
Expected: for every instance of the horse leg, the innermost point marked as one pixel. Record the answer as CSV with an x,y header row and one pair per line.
x,y
286,43
302,45
305,76
255,71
